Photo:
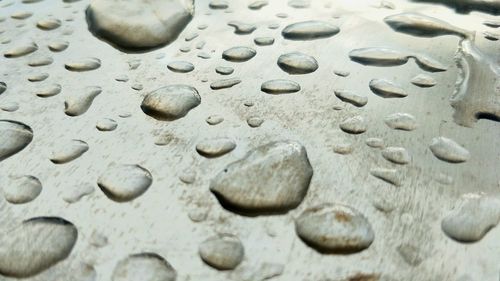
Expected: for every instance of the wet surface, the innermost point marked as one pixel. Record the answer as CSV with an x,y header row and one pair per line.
x,y
249,140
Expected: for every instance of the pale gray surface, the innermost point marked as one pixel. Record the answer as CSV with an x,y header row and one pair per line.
x,y
159,220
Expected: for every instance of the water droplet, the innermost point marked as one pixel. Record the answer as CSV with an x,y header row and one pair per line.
x,y
180,66
223,252
48,91
391,176
491,36
224,70
299,4
137,87
215,147
410,254
397,155
263,41
255,121
21,190
170,102
3,87
492,23
74,193
79,103
48,24
106,125
309,30
36,245
448,150
86,64
280,86
144,266
341,73
40,61
21,50
9,106
261,181
139,24
21,15
58,46
378,56
349,97
224,83
238,54
424,81
124,182
375,142
14,137
38,77
401,121
386,89
218,4
242,28
297,63
258,4
69,152
334,228
425,26
354,125
98,240
214,119
472,217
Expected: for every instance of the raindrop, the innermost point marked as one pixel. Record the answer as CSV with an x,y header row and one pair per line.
x,y
180,66
211,148
218,4
224,83
69,152
258,4
124,182
36,245
239,54
254,121
448,150
74,193
38,77
14,137
144,266
425,26
280,86
48,24
223,252
397,155
214,119
83,65
58,46
424,81
40,61
106,125
170,102
21,190
351,98
401,121
242,28
335,228
224,70
386,89
391,176
309,30
78,104
297,63
354,125
264,41
21,50
261,181
48,91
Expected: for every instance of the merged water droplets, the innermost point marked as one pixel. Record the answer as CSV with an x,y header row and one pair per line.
x,y
472,217
335,228
22,189
422,25
223,251
139,24
78,103
170,102
124,182
145,266
271,178
36,245
14,137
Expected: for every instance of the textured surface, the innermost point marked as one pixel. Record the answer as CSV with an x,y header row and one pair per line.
x,y
61,83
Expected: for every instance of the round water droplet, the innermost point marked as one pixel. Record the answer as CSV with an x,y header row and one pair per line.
x,y
223,252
